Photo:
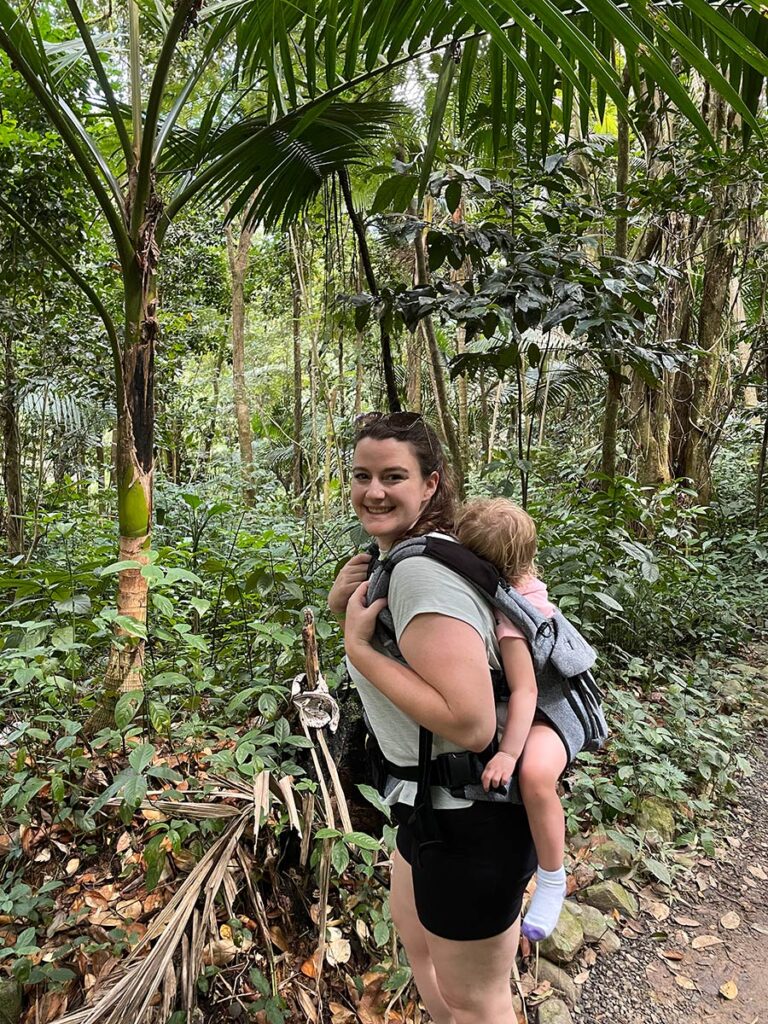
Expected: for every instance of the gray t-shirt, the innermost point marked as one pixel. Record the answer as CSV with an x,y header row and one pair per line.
x,y
420,586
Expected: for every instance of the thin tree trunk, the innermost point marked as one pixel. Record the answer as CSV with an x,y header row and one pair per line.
x,y
12,477
238,265
615,378
413,351
206,442
393,399
439,378
296,296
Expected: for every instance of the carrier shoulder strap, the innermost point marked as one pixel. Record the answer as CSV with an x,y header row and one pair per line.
x,y
554,641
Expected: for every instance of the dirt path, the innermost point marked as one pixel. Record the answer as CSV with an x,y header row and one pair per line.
x,y
680,965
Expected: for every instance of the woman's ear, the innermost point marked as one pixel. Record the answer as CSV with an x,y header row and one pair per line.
x,y
431,484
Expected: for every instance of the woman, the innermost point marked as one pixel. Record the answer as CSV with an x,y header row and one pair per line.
x,y
457,905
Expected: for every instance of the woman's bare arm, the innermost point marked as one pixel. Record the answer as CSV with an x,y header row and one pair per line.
x,y
446,685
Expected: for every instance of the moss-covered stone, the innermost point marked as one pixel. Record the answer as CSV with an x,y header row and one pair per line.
x,y
554,1011
562,983
594,923
656,814
616,858
610,896
567,938
10,1001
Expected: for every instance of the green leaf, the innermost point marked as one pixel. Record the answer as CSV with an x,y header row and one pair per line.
x,y
128,563
268,706
282,730
163,604
131,626
152,572
126,707
362,841
374,797
395,193
327,833
608,601
659,870
140,757
339,857
381,933
439,105
159,716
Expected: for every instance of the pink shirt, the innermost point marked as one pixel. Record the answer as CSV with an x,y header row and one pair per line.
x,y
535,591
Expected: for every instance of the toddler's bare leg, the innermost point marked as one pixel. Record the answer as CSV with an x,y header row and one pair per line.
x,y
543,760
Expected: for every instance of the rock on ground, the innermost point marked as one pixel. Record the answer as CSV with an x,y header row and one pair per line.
x,y
554,1011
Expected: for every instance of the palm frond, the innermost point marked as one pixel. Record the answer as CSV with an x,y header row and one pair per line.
x,y
281,167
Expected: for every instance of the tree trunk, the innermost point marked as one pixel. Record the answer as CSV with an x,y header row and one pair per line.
x,y
206,442
703,394
12,478
238,265
438,370
134,465
611,422
413,350
615,378
296,292
393,399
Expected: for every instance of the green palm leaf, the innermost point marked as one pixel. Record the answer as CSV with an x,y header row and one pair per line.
x,y
277,168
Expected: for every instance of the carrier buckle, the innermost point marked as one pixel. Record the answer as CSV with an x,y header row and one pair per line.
x,y
457,769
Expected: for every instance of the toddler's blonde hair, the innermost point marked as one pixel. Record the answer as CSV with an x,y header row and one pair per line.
x,y
503,533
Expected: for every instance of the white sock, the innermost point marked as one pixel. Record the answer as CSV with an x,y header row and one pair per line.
x,y
546,904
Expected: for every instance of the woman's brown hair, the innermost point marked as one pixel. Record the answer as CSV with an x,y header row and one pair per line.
x,y
413,430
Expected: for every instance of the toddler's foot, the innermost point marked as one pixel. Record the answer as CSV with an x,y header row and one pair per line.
x,y
546,904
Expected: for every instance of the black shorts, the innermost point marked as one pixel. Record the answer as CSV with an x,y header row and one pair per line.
x,y
471,885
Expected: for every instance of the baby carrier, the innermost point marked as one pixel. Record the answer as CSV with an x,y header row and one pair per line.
x,y
568,697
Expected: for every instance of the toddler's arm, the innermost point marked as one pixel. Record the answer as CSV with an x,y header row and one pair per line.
x,y
521,679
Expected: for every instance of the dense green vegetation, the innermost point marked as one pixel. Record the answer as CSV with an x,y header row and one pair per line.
x,y
228,230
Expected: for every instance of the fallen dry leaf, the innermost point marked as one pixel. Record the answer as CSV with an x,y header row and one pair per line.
x,y
671,954
338,951
685,982
72,865
730,920
687,922
658,911
757,871
729,990
704,941
581,977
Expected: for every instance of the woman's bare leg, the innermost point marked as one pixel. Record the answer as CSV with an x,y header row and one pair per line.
x,y
414,938
474,976
541,765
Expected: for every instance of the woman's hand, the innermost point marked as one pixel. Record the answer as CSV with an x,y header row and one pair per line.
x,y
360,622
351,575
498,771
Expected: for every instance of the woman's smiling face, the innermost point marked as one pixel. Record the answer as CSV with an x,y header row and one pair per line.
x,y
388,491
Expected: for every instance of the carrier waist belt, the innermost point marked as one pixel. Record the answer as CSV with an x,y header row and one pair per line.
x,y
452,770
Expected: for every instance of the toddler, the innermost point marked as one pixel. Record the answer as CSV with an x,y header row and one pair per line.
x,y
503,533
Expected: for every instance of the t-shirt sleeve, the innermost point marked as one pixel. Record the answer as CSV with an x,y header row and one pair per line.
x,y
422,586
506,629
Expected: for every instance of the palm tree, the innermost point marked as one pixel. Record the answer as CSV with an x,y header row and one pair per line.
x,y
293,109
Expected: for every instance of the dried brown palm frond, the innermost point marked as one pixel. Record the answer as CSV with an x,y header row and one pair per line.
x,y
127,994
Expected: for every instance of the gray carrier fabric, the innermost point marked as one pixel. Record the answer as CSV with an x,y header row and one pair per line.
x,y
568,696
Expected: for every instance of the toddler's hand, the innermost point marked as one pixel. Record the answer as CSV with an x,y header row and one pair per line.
x,y
498,771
